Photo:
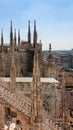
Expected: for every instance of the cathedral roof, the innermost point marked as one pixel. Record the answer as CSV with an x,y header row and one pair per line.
x,y
29,79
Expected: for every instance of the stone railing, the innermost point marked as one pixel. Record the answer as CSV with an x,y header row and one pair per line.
x,y
50,123
51,126
17,101
2,83
57,120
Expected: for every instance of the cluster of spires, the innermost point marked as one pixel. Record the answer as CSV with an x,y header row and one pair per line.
x,y
12,45
35,84
11,36
15,39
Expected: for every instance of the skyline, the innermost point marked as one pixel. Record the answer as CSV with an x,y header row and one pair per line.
x,y
54,20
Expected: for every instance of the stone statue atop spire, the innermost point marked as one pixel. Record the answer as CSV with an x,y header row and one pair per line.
x,y
34,35
15,37
50,57
11,34
2,40
29,33
18,38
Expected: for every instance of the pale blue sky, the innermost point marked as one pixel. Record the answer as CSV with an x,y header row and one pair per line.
x,y
54,20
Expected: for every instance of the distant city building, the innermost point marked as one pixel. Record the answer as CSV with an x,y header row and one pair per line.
x,y
66,60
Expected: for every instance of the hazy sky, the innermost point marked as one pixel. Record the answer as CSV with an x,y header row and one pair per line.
x,y
54,20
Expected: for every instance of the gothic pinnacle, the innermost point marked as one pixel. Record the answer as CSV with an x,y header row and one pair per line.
x,y
15,36
29,33
35,25
35,35
11,34
49,46
18,37
1,39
